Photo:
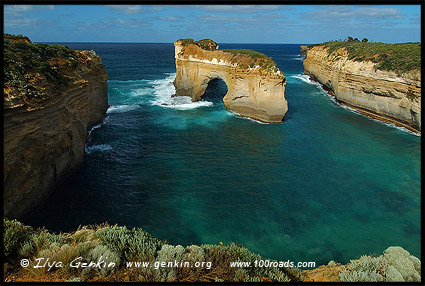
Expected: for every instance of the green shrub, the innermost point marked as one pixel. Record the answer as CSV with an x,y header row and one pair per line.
x,y
14,235
130,244
396,265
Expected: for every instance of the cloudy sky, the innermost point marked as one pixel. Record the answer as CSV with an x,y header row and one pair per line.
x,y
222,23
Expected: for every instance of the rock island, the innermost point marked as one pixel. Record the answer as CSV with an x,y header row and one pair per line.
x,y
256,86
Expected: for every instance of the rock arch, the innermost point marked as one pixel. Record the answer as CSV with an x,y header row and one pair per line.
x,y
254,92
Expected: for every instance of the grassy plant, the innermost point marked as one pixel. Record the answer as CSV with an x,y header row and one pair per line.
x,y
396,265
130,243
14,235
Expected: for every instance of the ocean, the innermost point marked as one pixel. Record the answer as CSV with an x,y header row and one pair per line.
x,y
326,184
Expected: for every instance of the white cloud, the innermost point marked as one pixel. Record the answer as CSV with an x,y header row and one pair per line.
x,y
20,10
345,13
170,19
20,22
239,8
127,9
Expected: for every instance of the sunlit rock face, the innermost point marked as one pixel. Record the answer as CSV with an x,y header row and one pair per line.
x,y
394,98
255,85
44,134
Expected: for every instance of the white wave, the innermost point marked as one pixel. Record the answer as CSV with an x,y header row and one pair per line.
x,y
97,148
121,108
401,128
98,125
248,118
128,81
306,78
140,92
164,89
298,58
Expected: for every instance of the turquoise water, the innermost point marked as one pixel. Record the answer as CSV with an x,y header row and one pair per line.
x,y
326,184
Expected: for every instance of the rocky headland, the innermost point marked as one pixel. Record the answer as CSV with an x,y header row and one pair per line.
x,y
52,96
380,80
256,86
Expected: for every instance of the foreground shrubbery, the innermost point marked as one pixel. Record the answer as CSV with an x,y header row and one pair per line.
x,y
115,245
118,245
399,58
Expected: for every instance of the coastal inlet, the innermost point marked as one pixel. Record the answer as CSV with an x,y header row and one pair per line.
x,y
326,184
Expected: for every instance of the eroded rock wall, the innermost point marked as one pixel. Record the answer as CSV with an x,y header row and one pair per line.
x,y
45,144
252,92
396,98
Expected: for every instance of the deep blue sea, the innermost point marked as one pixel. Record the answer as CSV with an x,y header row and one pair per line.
x,y
326,184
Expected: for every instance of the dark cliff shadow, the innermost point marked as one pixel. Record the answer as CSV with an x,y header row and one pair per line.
x,y
215,91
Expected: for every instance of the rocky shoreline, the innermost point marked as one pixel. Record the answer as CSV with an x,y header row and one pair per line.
x,y
385,95
364,111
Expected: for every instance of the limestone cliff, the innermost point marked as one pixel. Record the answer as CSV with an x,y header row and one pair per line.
x,y
256,86
382,94
52,96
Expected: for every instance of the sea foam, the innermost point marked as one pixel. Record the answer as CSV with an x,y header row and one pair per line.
x,y
164,88
122,108
97,148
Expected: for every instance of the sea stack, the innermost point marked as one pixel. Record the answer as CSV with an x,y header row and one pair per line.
x,y
256,86
52,96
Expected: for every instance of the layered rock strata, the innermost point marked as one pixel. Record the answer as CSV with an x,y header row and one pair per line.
x,y
46,126
381,94
256,87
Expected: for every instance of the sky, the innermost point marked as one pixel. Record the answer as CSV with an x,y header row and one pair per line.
x,y
283,24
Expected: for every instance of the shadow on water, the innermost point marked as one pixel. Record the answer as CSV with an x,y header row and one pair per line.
x,y
216,90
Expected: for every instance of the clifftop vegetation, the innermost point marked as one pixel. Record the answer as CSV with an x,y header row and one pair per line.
x,y
29,68
118,245
399,58
206,44
115,246
245,58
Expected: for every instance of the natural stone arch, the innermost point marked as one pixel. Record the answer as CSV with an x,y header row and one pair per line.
x,y
251,91
218,86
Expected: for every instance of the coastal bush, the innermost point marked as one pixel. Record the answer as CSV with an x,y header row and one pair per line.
x,y
130,244
396,265
84,234
103,253
14,235
22,57
168,253
119,244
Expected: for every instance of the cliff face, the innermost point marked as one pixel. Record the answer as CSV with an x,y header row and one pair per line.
x,y
394,98
254,90
46,123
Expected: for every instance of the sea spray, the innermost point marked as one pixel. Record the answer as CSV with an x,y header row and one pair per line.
x,y
163,91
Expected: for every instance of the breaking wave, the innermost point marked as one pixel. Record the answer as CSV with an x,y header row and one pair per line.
x,y
164,88
122,108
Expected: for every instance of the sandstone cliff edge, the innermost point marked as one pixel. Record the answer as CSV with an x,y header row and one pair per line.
x,y
374,84
52,96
